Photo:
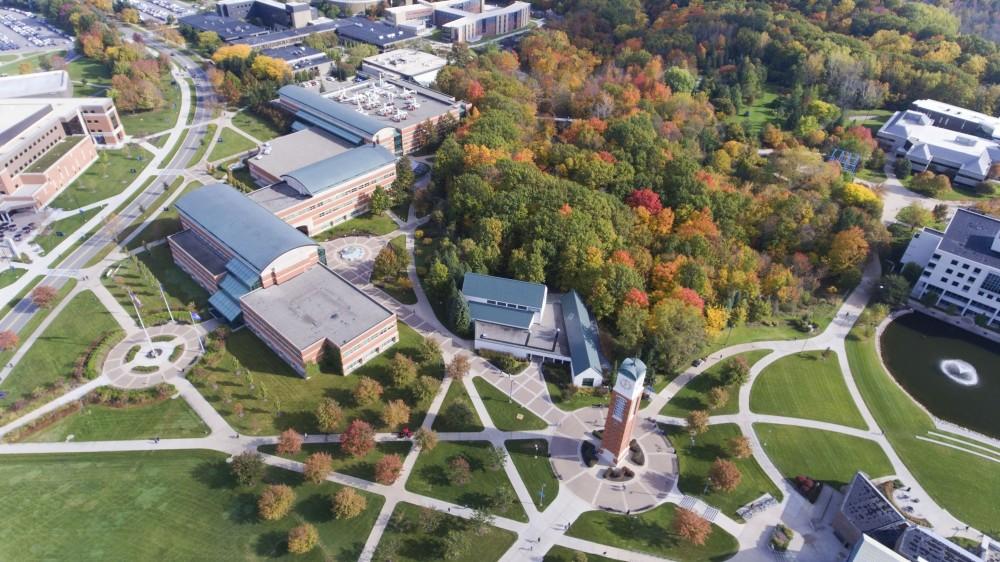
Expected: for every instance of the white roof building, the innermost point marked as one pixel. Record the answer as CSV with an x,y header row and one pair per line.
x,y
915,136
408,64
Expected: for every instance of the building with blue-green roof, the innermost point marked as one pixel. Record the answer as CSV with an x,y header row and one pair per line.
x,y
524,320
266,274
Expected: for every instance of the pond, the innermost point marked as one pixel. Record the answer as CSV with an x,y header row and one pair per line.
x,y
953,373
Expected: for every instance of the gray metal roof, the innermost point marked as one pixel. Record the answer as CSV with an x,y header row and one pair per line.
x,y
506,290
316,305
335,170
335,112
200,251
970,236
500,315
241,225
581,333
228,29
632,368
376,33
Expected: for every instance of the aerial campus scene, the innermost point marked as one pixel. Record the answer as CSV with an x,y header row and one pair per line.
x,y
456,280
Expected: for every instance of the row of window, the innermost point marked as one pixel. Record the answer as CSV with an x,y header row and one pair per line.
x,y
29,148
322,202
368,340
507,305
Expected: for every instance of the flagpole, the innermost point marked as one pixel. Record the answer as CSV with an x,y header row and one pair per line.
x,y
165,303
132,298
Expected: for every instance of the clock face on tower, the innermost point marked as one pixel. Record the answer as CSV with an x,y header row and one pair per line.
x,y
625,383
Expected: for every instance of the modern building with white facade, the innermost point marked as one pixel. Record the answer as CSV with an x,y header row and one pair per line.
x,y
945,139
408,64
525,320
463,21
961,266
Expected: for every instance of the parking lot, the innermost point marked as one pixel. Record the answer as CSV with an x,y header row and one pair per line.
x,y
25,30
159,10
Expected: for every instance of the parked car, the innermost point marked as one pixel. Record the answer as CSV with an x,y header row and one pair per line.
x,y
697,362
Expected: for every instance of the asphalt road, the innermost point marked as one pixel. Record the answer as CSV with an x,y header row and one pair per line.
x,y
23,311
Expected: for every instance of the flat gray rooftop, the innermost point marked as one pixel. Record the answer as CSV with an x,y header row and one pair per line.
x,y
549,335
971,235
293,151
277,197
200,251
316,305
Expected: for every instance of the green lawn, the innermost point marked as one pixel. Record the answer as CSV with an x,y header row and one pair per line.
x,y
167,418
365,225
564,395
806,385
94,72
504,412
57,231
821,313
229,143
415,534
12,68
256,127
10,275
181,291
51,358
430,478
107,177
165,223
872,119
282,399
54,154
142,123
206,142
944,472
535,470
176,505
694,395
363,467
696,460
651,532
33,323
402,293
821,455
762,111
562,554
456,395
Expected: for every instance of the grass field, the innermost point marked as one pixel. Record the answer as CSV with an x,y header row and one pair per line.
x,y
694,395
229,143
651,532
282,399
206,143
430,477
762,111
365,225
562,554
155,207
10,275
256,127
945,473
142,123
12,67
533,466
806,385
504,412
403,294
363,467
456,395
696,461
181,291
415,535
168,418
178,505
51,358
872,119
821,455
821,313
165,223
83,69
49,239
107,177
564,395
33,323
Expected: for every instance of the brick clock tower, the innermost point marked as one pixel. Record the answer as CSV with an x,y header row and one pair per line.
x,y
623,409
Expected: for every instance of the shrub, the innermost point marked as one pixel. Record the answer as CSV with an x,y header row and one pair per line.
x,y
902,168
368,391
275,502
329,415
395,413
289,442
247,468
459,472
459,367
691,527
348,503
426,438
724,475
43,296
697,421
504,361
302,539
589,452
403,370
388,469
424,388
317,467
358,439
781,537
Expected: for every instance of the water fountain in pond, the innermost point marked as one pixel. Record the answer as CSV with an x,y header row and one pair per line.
x,y
960,371
352,253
